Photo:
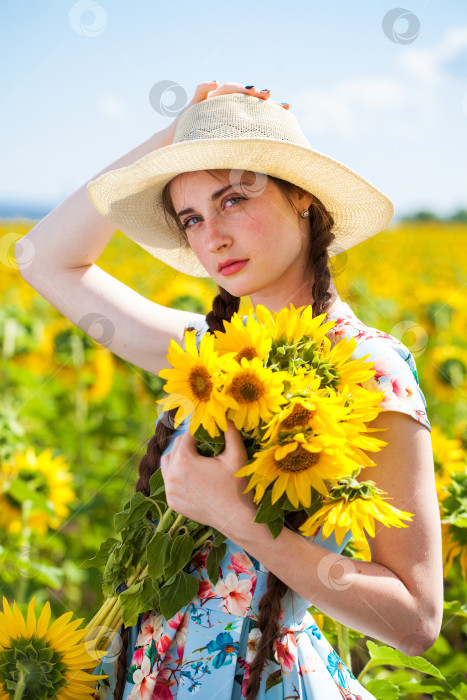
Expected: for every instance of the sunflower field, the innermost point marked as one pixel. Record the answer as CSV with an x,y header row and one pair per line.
x,y
75,420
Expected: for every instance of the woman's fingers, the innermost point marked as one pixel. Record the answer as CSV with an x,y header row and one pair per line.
x,y
208,89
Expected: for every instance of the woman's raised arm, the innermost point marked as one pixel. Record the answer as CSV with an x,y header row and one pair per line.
x,y
62,250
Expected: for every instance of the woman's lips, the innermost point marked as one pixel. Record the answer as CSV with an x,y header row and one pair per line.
x,y
233,267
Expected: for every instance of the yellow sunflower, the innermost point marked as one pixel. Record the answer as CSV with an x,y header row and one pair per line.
x,y
449,458
256,392
453,548
341,515
298,466
336,360
302,412
38,660
191,384
247,341
45,475
293,324
446,371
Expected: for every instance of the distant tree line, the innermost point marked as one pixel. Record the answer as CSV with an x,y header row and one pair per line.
x,y
460,216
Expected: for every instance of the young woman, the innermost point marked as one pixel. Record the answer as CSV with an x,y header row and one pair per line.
x,y
233,190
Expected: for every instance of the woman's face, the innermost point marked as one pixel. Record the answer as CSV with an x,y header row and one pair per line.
x,y
243,217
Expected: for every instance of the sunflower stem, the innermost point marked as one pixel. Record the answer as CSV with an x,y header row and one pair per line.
x,y
343,643
161,525
178,521
202,539
20,686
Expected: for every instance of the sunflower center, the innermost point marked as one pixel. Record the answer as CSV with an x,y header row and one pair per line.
x,y
299,416
249,352
246,388
297,461
200,383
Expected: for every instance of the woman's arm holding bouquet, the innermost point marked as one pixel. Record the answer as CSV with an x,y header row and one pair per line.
x,y
397,597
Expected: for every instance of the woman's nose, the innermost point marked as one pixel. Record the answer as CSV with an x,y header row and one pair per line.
x,y
216,236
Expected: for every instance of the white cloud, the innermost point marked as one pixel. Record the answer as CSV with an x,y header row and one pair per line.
x,y
349,106
112,107
428,65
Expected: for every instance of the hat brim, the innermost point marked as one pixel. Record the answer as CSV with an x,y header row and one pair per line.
x,y
130,197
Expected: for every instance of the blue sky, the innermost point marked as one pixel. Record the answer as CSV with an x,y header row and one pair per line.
x,y
76,78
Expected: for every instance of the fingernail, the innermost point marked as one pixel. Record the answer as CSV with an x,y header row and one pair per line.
x,y
285,103
213,81
248,87
265,90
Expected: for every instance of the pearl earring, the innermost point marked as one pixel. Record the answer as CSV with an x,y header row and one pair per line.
x,y
305,213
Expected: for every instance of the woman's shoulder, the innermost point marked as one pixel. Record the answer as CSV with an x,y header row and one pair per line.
x,y
394,364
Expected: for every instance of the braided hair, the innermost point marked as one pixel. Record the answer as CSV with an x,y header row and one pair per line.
x,y
224,305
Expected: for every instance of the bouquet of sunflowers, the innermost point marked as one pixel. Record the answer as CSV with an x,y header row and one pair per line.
x,y
302,408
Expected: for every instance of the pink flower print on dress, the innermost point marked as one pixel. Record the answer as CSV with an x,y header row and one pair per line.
x,y
381,367
205,590
199,560
138,656
151,628
144,682
241,563
237,595
179,623
163,644
164,682
286,651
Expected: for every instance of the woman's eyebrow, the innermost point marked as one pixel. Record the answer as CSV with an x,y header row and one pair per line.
x,y
214,196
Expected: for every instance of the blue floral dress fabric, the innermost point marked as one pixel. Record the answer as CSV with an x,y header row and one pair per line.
x,y
207,647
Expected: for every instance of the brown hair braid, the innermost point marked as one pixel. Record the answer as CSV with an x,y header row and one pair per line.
x,y
224,305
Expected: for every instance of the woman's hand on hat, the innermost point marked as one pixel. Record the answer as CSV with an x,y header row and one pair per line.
x,y
205,489
211,89
203,90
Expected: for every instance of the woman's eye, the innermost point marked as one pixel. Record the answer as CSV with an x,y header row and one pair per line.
x,y
186,225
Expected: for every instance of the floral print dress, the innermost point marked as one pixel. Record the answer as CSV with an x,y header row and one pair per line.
x,y
207,647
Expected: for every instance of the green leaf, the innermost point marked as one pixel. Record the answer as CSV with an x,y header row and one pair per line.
x,y
131,601
156,484
276,526
21,492
382,655
134,510
455,607
451,688
213,560
268,511
180,554
178,594
383,689
273,679
157,553
219,538
102,555
40,571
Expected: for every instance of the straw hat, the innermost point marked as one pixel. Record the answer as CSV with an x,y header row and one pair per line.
x,y
241,132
